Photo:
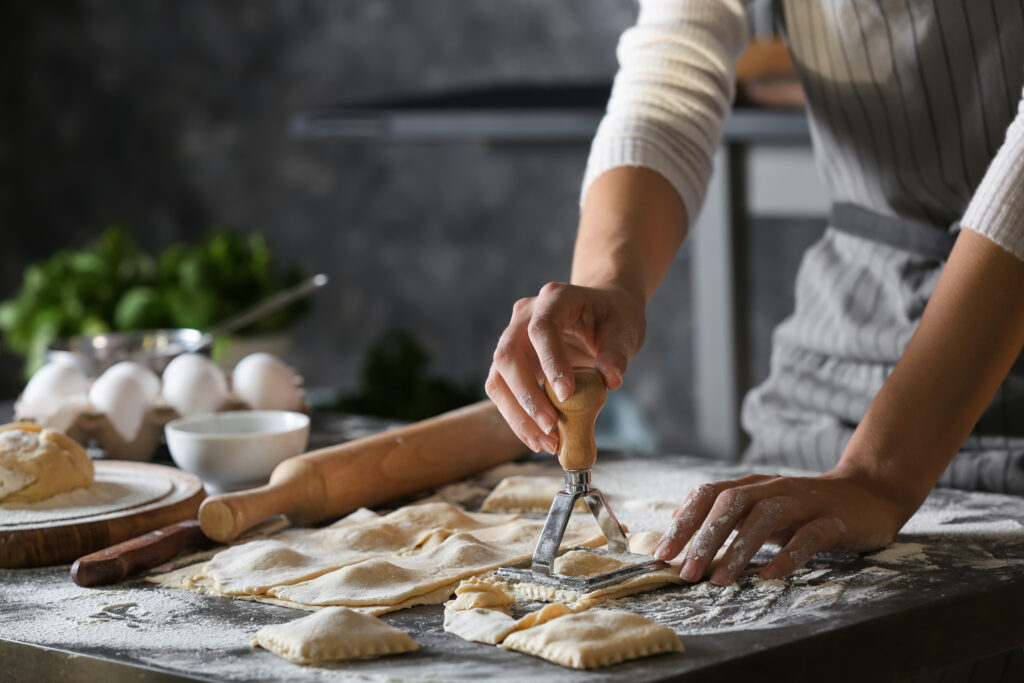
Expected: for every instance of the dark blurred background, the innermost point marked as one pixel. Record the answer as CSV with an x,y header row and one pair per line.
x,y
168,117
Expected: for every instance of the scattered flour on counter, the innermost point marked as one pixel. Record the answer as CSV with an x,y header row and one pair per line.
x,y
128,612
991,563
949,512
879,571
822,595
772,585
811,576
704,608
114,618
644,498
646,505
956,524
900,553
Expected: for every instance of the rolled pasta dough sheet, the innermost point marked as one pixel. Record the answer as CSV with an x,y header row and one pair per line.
x,y
526,494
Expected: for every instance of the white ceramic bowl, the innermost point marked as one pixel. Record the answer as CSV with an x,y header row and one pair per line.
x,y
236,449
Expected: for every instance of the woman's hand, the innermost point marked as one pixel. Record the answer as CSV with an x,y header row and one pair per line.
x,y
805,515
631,225
563,327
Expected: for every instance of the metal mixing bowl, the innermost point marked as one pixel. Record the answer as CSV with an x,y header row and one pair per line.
x,y
152,348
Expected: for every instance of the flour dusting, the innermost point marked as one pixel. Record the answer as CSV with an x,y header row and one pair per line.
x,y
816,574
824,594
900,553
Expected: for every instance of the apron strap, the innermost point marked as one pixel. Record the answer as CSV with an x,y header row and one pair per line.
x,y
917,237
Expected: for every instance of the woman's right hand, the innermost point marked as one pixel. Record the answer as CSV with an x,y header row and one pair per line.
x,y
563,327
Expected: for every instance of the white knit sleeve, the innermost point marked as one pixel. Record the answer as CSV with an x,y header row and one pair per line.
x,y
997,207
674,87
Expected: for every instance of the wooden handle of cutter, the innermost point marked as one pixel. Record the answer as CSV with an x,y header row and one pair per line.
x,y
333,481
576,418
120,561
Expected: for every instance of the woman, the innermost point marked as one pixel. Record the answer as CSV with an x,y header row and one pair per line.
x,y
909,315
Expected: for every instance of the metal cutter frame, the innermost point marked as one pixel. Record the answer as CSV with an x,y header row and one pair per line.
x,y
540,568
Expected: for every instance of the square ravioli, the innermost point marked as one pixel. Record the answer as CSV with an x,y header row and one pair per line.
x,y
333,634
595,638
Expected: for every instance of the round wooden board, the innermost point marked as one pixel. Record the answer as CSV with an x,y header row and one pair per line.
x,y
65,540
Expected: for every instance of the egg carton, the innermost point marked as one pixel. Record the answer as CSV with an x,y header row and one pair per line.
x,y
91,427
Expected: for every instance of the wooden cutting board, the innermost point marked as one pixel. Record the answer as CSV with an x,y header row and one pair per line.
x,y
126,499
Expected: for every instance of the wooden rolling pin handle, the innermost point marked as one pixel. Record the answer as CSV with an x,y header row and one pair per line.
x,y
120,561
293,490
576,418
334,481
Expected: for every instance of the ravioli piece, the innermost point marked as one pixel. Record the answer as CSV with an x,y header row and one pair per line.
x,y
595,638
492,626
476,593
333,634
479,625
583,563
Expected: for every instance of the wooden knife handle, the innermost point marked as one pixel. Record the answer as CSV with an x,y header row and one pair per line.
x,y
120,561
333,481
576,418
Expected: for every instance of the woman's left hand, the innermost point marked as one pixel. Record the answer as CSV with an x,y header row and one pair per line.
x,y
804,515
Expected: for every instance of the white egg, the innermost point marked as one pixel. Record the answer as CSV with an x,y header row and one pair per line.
x,y
147,378
265,383
122,398
192,384
53,385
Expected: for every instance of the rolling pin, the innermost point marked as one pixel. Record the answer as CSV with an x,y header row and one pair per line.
x,y
333,481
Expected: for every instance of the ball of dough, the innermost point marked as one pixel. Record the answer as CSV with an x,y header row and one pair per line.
x,y
37,463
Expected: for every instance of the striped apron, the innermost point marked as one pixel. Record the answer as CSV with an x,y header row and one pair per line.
x,y
908,101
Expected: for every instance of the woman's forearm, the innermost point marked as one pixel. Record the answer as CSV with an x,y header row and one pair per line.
x,y
631,226
969,336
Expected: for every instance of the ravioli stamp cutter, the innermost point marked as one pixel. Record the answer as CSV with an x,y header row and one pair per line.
x,y
577,453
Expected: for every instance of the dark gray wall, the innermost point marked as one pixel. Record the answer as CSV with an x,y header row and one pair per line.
x,y
169,116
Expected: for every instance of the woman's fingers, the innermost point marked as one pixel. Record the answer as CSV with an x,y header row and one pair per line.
x,y
691,515
733,501
804,515
550,312
522,424
513,384
730,506
766,517
810,539
685,520
520,378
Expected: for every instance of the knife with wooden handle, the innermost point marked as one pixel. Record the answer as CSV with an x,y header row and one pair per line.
x,y
331,482
120,561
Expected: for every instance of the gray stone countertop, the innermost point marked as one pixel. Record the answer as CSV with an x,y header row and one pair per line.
x,y
950,590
